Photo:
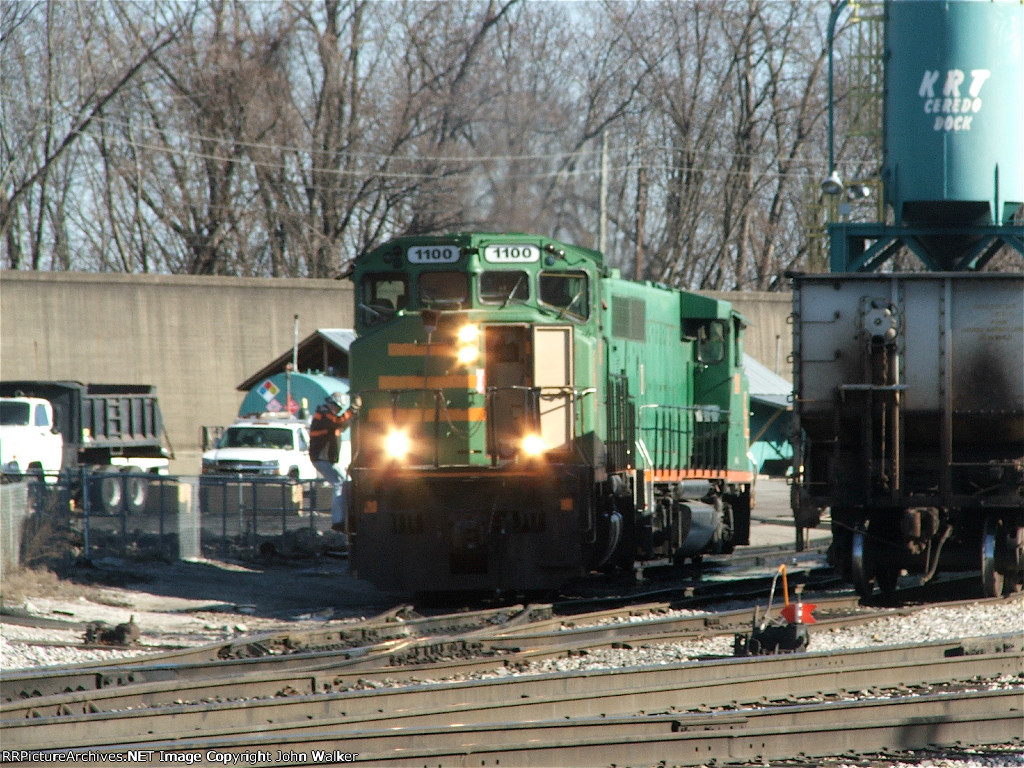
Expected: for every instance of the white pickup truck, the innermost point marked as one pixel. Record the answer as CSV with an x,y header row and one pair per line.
x,y
268,445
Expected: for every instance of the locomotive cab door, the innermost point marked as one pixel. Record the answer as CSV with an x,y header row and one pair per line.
x,y
508,372
529,374
553,377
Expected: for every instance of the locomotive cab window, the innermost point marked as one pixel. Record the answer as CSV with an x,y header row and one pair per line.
x,y
569,292
504,286
443,289
711,341
381,296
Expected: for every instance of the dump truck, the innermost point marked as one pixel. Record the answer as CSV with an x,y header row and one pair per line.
x,y
103,440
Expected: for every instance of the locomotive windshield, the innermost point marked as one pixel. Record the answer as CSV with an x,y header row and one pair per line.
x,y
566,291
381,295
504,286
445,289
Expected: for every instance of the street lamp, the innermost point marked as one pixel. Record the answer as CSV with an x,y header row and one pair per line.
x,y
832,185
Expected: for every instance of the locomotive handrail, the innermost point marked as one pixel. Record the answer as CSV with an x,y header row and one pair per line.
x,y
439,406
681,438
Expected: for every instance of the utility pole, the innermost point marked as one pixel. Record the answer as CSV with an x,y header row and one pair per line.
x,y
641,211
602,236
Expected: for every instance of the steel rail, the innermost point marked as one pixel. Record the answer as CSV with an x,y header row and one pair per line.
x,y
438,657
852,727
118,687
546,696
586,630
351,640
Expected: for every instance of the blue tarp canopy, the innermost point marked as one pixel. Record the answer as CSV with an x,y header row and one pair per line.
x,y
307,391
771,399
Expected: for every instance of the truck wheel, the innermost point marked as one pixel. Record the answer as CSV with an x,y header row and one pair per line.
x,y
111,490
136,490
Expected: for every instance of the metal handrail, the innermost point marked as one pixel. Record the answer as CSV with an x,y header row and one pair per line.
x,y
682,438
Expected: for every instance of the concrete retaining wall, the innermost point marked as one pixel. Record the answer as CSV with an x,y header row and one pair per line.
x,y
197,338
194,338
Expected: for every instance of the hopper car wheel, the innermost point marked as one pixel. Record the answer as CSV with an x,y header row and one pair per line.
x,y
992,580
136,490
860,562
868,569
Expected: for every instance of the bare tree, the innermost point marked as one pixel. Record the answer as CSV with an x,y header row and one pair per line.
x,y
286,139
732,109
49,101
179,148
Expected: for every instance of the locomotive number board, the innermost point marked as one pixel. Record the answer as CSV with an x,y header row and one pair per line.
x,y
511,254
432,254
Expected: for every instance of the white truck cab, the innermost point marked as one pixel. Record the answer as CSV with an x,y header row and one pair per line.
x,y
30,443
267,445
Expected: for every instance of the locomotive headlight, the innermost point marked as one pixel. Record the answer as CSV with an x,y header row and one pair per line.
x,y
533,445
468,337
468,334
468,354
397,444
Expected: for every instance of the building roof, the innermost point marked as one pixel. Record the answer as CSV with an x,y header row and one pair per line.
x,y
765,386
323,351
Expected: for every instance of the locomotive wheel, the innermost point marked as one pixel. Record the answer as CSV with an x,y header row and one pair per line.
x,y
862,569
991,579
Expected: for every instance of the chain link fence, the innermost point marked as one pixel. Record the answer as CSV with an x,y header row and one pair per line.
x,y
233,518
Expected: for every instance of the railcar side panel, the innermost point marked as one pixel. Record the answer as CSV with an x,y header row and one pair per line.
x,y
910,419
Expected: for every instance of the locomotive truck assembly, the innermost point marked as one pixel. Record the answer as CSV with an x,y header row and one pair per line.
x,y
529,416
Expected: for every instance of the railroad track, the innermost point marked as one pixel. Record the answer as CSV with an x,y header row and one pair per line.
x,y
287,648
411,649
392,629
282,699
396,645
754,704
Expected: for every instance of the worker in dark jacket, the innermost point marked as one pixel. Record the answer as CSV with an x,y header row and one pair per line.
x,y
325,448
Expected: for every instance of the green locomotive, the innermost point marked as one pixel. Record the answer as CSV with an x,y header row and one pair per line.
x,y
529,416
